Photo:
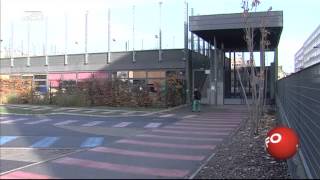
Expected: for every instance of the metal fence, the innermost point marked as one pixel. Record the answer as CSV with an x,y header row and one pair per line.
x,y
298,102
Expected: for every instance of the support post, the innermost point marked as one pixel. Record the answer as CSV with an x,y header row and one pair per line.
x,y
215,71
203,47
234,74
222,73
192,35
275,72
198,44
210,75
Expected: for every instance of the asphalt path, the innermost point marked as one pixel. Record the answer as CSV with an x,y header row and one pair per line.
x,y
168,145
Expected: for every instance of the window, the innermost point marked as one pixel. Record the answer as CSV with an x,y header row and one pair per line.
x,y
122,74
156,74
40,76
137,74
39,83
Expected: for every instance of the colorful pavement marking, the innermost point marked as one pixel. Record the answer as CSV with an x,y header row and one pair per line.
x,y
92,142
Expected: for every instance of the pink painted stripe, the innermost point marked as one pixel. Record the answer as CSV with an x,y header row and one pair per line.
x,y
190,132
197,128
216,119
210,122
123,168
205,125
168,145
227,114
178,138
220,117
24,175
147,154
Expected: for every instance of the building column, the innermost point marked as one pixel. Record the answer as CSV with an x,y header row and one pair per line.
x,y
234,74
198,44
209,91
221,74
215,72
203,47
275,78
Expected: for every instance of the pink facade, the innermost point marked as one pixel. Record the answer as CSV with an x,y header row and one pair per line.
x,y
55,79
100,75
54,83
54,76
84,76
69,76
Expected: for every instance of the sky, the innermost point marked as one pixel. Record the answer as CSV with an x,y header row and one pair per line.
x,y
300,19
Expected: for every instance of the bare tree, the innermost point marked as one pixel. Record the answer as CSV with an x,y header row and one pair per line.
x,y
257,79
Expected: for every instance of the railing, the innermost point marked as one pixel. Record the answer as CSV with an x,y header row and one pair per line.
x,y
298,104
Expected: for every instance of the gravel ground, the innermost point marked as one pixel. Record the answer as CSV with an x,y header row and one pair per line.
x,y
245,157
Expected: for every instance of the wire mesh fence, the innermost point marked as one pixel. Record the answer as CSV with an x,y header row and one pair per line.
x,y
298,101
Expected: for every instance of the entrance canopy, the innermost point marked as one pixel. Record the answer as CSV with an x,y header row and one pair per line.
x,y
229,29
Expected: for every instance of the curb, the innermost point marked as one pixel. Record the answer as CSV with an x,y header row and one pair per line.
x,y
166,110
231,135
193,175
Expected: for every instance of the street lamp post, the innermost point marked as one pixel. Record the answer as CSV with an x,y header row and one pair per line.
x,y
28,43
11,45
109,36
86,39
156,37
66,39
46,40
31,16
133,34
160,35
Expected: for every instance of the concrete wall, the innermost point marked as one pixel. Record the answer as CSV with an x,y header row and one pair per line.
x,y
145,60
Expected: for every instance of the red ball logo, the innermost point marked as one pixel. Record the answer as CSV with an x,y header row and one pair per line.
x,y
282,143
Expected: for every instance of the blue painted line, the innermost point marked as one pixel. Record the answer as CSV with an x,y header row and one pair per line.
x,y
5,139
92,142
45,142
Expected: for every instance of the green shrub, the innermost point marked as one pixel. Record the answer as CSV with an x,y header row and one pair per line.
x,y
75,99
41,99
13,98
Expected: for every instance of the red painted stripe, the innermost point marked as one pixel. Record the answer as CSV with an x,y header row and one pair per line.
x,y
147,154
178,138
197,128
191,132
24,175
123,168
205,125
168,145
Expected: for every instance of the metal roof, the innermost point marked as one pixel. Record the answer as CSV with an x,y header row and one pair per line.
x,y
229,28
